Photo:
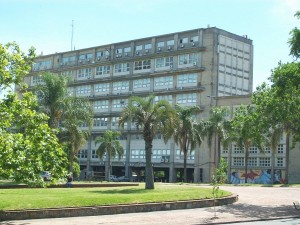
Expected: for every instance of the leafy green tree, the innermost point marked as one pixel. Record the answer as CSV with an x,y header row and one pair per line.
x,y
152,118
186,134
245,131
294,41
285,102
27,145
219,126
269,109
110,147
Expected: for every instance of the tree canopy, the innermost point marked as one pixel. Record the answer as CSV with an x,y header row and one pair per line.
x,y
27,145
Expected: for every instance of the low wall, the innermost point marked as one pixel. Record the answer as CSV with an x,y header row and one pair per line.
x,y
112,209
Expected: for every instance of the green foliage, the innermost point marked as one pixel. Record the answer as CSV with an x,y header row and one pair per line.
x,y
51,94
27,145
294,41
186,132
152,118
109,146
72,112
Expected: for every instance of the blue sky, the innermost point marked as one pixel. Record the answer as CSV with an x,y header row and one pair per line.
x,y
46,24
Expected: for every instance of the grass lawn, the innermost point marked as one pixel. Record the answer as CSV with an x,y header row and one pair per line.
x,y
13,199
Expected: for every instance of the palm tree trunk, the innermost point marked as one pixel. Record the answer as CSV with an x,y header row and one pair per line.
x,y
218,151
108,167
149,182
184,166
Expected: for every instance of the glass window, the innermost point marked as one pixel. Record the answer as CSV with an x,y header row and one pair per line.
x,y
82,57
119,50
84,73
138,47
186,98
122,67
102,104
148,46
121,85
163,81
187,78
128,49
170,42
101,87
195,39
142,65
164,62
141,83
102,70
160,44
188,58
183,40
238,161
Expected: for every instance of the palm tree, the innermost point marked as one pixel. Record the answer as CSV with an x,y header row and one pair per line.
x,y
111,147
51,94
66,112
186,134
76,113
152,118
219,126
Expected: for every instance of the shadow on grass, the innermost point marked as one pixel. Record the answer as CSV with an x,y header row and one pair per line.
x,y
124,191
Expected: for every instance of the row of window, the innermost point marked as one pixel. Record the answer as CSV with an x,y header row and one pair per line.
x,y
255,150
163,62
162,154
118,104
257,162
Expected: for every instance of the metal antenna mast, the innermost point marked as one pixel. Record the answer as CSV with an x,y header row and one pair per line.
x,y
72,34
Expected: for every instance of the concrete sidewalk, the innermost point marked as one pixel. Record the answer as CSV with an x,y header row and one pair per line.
x,y
255,203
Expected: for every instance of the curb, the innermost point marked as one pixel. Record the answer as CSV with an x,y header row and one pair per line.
x,y
112,209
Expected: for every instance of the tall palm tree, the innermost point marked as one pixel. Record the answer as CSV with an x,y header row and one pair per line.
x,y
152,118
76,113
109,146
186,134
218,126
65,112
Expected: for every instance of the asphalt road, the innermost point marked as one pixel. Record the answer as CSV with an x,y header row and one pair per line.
x,y
255,204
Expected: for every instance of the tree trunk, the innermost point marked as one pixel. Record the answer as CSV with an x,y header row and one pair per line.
x,y
108,167
218,157
184,166
149,179
272,165
246,163
287,154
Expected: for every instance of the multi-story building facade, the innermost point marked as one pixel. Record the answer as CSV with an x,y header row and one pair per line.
x,y
197,67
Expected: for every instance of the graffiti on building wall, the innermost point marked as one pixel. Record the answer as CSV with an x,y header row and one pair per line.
x,y
256,176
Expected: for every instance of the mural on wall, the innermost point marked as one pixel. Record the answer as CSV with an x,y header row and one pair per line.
x,y
256,176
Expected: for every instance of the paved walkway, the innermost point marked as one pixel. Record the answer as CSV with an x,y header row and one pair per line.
x,y
255,203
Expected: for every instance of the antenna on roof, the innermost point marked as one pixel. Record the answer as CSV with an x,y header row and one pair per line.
x,y
72,34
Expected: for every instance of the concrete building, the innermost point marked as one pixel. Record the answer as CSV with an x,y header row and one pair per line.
x,y
204,67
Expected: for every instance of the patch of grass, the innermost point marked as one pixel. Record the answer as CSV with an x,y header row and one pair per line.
x,y
14,199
